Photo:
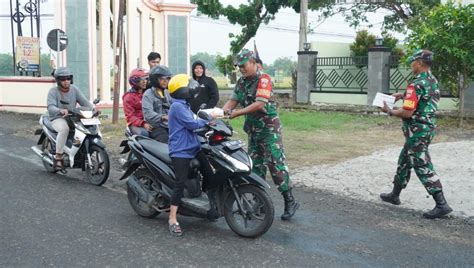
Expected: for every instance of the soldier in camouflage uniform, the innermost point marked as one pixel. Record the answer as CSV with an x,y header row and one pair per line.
x,y
253,92
420,103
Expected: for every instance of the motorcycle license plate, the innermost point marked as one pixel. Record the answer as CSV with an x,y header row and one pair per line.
x,y
90,121
233,145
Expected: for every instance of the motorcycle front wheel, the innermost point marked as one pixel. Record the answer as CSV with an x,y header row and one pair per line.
x,y
46,148
98,172
255,216
144,177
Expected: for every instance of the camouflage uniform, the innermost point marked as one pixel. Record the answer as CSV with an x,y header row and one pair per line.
x,y
422,95
263,128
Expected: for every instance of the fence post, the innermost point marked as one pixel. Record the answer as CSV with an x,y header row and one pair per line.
x,y
469,100
378,72
306,73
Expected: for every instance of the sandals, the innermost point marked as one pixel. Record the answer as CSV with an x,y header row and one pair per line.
x,y
175,229
58,163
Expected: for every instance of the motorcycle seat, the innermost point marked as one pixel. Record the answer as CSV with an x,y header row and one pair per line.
x,y
158,149
48,124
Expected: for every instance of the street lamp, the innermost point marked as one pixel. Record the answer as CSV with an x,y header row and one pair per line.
x,y
378,41
307,46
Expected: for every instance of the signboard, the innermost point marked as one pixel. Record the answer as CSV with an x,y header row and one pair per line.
x,y
27,53
55,38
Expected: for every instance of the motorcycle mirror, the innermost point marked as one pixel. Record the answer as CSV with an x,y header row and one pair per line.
x,y
96,101
64,102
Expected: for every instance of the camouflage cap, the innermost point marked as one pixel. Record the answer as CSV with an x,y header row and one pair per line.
x,y
244,56
422,54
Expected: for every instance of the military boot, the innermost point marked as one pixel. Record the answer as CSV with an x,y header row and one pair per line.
x,y
394,196
290,205
442,208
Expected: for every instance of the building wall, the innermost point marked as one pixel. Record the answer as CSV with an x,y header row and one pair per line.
x,y
77,18
32,99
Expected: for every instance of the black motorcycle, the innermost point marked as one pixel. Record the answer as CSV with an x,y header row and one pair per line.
x,y
233,192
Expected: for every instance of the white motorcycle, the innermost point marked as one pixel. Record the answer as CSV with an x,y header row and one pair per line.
x,y
84,147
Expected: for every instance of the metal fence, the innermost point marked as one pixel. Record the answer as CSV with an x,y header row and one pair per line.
x,y
348,75
341,75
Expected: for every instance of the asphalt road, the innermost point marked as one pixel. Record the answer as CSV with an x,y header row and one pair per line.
x,y
61,220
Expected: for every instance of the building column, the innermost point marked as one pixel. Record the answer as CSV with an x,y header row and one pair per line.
x,y
305,81
378,72
105,57
469,100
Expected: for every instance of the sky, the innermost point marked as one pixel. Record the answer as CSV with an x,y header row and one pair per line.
x,y
282,31
277,39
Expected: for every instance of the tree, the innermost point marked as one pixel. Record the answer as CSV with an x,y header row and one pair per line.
x,y
403,12
251,15
364,41
286,64
448,31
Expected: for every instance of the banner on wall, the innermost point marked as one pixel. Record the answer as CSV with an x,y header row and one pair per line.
x,y
27,53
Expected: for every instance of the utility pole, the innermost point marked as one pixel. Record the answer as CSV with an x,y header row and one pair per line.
x,y
118,62
303,23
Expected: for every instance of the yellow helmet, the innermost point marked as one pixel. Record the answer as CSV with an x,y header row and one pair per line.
x,y
178,81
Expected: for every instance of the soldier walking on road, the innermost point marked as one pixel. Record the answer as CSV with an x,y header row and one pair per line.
x,y
420,103
253,92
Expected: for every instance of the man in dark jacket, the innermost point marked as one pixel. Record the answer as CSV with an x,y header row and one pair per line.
x,y
207,91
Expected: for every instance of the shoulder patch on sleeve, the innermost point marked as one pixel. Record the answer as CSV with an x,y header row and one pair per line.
x,y
264,87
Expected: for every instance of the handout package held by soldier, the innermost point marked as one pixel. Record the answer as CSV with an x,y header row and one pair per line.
x,y
380,98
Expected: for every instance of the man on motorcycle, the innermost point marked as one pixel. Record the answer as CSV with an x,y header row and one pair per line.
x,y
184,145
153,100
132,102
67,93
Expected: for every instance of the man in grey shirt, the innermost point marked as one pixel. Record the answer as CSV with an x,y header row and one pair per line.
x,y
155,103
65,92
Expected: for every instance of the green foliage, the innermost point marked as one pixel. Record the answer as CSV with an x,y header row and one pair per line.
x,y
250,16
402,12
448,31
6,62
364,41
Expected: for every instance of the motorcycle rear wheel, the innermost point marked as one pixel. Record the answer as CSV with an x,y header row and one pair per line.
x,y
99,172
258,213
142,209
46,149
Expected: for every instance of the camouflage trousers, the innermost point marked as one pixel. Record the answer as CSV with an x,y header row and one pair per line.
x,y
266,150
415,155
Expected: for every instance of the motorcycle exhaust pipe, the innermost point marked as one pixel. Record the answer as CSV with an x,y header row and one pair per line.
x,y
42,155
138,189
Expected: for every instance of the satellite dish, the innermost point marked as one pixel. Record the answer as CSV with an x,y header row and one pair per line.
x,y
54,36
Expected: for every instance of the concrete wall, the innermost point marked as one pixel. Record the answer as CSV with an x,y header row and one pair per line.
x,y
26,95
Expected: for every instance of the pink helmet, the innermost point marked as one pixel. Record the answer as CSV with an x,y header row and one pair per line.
x,y
136,75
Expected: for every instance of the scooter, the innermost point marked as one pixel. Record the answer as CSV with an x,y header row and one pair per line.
x,y
84,147
233,192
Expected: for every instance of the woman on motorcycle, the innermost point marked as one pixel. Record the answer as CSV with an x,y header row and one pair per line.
x,y
67,93
132,102
183,143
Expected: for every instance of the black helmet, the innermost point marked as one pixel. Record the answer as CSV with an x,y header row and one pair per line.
x,y
61,73
156,73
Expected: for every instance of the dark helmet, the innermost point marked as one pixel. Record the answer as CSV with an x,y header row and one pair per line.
x,y
158,72
62,73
